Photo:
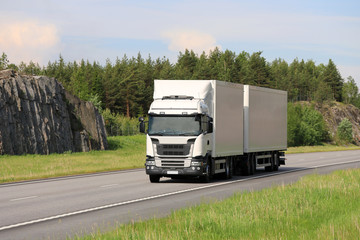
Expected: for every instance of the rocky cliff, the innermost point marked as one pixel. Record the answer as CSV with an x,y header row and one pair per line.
x,y
38,116
335,112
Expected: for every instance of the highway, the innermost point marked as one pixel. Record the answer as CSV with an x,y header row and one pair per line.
x,y
70,206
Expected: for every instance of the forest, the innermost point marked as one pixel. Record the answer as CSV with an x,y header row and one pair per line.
x,y
124,88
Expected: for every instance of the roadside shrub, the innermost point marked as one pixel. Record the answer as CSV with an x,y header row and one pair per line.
x,y
312,127
306,126
344,131
293,124
119,125
95,99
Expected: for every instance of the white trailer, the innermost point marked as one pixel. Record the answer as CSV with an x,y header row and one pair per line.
x,y
200,128
265,128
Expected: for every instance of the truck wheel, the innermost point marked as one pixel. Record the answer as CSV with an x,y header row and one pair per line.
x,y
276,162
231,168
154,178
253,164
207,177
228,169
237,166
246,168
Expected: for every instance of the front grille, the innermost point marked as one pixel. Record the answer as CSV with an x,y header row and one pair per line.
x,y
172,153
172,163
174,146
173,149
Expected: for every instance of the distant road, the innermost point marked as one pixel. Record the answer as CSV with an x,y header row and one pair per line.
x,y
68,206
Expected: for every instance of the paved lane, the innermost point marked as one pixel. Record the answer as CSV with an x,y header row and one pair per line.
x,y
67,206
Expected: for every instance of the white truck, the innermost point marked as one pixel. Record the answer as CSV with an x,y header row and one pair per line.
x,y
199,128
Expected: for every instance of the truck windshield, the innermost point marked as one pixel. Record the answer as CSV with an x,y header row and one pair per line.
x,y
174,125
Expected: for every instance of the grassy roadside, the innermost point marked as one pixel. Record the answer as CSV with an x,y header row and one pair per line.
x,y
316,207
127,153
322,148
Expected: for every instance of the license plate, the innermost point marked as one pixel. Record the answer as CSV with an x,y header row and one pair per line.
x,y
172,172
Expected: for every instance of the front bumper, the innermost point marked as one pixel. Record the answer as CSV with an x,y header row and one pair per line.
x,y
190,171
171,172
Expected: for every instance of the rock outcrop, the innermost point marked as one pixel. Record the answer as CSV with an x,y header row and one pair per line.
x,y
335,112
38,116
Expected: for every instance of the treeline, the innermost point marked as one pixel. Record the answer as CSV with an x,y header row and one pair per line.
x,y
123,89
125,86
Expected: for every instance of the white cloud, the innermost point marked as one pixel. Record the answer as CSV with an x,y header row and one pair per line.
x,y
28,40
191,39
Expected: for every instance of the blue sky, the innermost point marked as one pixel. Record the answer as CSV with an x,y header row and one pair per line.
x,y
320,30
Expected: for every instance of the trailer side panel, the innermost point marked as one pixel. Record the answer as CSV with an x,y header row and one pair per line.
x,y
228,119
265,119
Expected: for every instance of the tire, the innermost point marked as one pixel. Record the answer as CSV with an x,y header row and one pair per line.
x,y
246,168
276,162
154,178
276,168
231,166
207,177
228,169
253,164
237,166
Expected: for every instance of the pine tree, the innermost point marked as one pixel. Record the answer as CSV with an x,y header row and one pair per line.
x,y
259,71
280,72
3,61
202,70
350,91
227,67
241,68
79,83
185,67
214,63
333,78
111,88
323,92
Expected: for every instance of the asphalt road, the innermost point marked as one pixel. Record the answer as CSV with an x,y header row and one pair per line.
x,y
71,206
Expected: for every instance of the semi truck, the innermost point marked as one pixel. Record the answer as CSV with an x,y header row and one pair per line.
x,y
203,128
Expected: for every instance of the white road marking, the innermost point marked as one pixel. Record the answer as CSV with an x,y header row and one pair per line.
x,y
109,185
162,195
23,198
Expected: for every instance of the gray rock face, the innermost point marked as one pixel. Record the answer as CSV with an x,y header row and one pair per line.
x,y
37,116
87,125
335,112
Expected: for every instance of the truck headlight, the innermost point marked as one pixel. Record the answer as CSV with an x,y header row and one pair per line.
x,y
196,164
150,163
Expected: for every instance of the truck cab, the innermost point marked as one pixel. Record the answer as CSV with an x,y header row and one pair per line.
x,y
178,137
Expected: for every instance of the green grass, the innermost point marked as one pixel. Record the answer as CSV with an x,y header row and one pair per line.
x,y
322,148
127,153
316,207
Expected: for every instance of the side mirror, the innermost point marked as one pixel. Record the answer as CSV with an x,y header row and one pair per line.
x,y
142,125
